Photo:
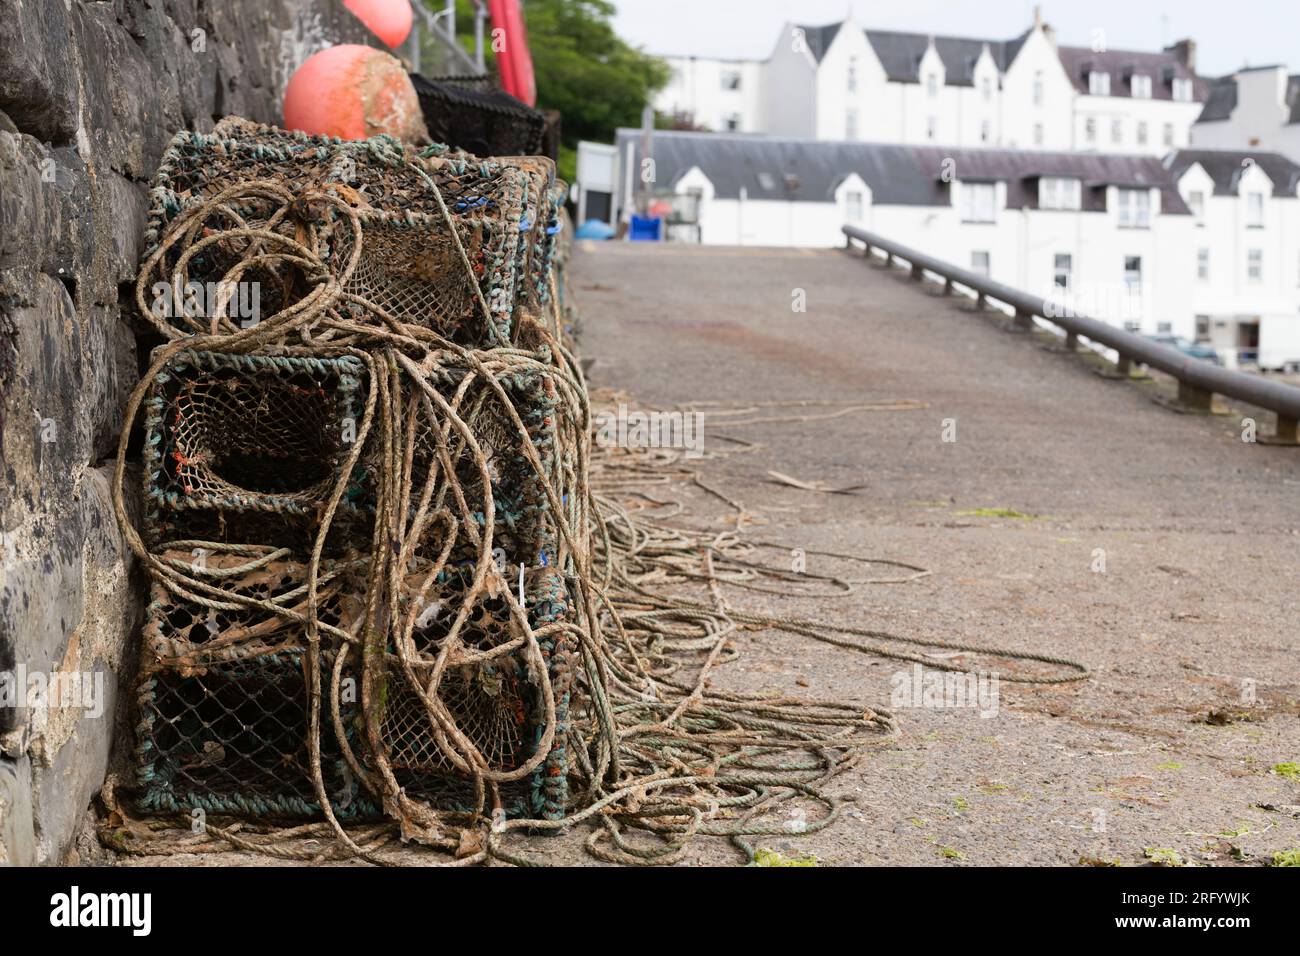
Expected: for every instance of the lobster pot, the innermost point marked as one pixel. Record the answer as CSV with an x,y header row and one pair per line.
x,y
221,719
248,449
315,191
500,704
469,114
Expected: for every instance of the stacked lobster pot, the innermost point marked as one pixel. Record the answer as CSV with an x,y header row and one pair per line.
x,y
363,444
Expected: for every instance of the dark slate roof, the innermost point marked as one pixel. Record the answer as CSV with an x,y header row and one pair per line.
x,y
1220,100
1225,167
900,54
898,175
820,38
1162,67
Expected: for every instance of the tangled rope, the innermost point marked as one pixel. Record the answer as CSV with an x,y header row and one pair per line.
x,y
633,736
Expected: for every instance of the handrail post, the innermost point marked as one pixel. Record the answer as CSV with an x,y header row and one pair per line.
x,y
1071,341
1287,430
1196,399
1024,321
1124,367
917,273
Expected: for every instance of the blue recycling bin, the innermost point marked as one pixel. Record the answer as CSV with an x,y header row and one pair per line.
x,y
646,229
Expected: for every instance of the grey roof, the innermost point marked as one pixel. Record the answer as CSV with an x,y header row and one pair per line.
x,y
1222,98
1225,167
1220,101
897,175
1163,68
900,54
819,39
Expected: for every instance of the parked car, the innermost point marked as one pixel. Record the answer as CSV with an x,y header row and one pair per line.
x,y
1194,349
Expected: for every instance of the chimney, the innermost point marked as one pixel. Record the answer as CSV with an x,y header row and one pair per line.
x,y
1038,15
1185,52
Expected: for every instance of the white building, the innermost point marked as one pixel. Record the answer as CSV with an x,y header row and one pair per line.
x,y
1256,108
1247,252
844,82
1107,235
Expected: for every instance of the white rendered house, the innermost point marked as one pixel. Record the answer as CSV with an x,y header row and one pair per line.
x,y
1246,254
1253,109
1104,235
845,82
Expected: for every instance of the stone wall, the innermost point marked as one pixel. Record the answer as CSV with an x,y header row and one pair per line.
x,y
90,94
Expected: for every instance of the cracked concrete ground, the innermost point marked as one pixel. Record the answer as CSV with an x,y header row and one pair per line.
x,y
1196,610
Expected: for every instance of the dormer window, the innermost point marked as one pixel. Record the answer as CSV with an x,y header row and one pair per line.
x,y
932,84
1059,192
1099,83
1183,91
1134,208
853,74
731,79
978,202
987,87
1038,88
1141,86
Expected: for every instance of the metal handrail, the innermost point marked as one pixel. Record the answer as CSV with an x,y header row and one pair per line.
x,y
1198,380
445,35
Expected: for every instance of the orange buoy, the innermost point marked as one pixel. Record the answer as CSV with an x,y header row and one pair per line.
x,y
390,20
353,92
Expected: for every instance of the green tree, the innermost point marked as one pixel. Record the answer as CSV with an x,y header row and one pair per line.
x,y
596,80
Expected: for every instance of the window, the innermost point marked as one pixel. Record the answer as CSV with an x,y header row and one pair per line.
x,y
978,202
1142,133
1255,265
1056,192
1133,274
984,131
851,124
1062,271
1090,129
1169,134
931,125
732,122
1038,134
1183,90
1255,210
1038,88
1132,326
1196,203
853,74
1164,328
1116,131
987,86
731,79
1099,83
1134,208
1203,264
1202,328
853,205
1141,86
932,84
979,263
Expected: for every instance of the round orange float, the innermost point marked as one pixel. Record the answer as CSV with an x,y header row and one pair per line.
x,y
390,20
353,92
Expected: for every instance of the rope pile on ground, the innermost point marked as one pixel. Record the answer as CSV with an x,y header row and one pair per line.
x,y
399,598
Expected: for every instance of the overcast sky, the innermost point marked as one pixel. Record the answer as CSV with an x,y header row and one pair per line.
x,y
1228,33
